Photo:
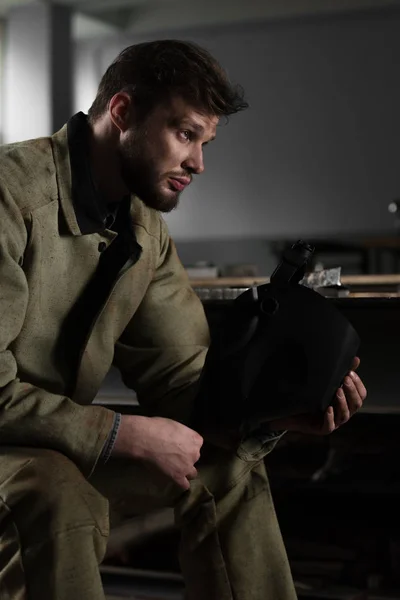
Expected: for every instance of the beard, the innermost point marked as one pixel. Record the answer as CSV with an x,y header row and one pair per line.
x,y
141,176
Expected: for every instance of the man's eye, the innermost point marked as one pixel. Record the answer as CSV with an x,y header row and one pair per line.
x,y
186,134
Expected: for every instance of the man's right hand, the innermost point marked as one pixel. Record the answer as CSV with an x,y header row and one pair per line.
x,y
170,446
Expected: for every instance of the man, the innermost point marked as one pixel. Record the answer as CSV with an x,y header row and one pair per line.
x,y
90,277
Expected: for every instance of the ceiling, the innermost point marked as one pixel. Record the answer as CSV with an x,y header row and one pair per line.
x,y
96,18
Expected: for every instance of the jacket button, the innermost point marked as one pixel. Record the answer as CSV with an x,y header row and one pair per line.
x,y
102,246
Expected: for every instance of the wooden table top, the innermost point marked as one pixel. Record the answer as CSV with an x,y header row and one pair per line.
x,y
348,280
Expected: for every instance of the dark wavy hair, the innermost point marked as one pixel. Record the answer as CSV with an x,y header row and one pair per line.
x,y
153,72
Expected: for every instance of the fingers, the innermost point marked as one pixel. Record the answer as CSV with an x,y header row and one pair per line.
x,y
198,441
360,387
354,391
187,467
349,398
341,408
192,473
183,483
196,456
351,395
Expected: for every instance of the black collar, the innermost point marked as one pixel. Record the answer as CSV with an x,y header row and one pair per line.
x,y
92,213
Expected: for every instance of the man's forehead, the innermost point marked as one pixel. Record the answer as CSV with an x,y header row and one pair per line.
x,y
180,110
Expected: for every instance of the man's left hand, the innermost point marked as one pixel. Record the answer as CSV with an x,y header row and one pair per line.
x,y
349,398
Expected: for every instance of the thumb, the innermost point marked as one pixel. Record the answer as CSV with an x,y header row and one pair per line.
x,y
355,364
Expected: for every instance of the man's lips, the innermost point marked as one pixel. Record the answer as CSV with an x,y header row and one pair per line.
x,y
179,183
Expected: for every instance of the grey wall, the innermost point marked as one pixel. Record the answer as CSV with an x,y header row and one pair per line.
x,y
315,155
37,90
27,88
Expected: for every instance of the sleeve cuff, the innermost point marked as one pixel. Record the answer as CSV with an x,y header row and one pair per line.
x,y
109,444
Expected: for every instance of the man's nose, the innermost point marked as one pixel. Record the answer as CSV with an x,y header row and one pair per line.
x,y
195,163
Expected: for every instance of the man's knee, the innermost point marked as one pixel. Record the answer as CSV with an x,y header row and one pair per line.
x,y
48,495
225,481
222,471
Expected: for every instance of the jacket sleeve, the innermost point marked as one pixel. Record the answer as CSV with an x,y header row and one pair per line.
x,y
30,416
161,352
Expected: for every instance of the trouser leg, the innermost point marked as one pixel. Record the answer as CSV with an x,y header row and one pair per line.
x,y
231,546
53,528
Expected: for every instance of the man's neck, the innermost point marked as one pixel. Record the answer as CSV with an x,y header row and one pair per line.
x,y
104,165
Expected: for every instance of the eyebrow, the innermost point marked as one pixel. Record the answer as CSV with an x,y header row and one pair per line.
x,y
199,128
190,123
193,124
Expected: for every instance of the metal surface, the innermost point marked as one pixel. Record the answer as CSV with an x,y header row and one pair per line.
x,y
323,278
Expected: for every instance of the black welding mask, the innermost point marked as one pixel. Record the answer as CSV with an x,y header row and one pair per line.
x,y
282,349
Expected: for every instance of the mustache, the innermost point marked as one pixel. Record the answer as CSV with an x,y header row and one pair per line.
x,y
184,174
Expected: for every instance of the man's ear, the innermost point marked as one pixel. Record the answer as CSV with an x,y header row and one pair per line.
x,y
120,110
